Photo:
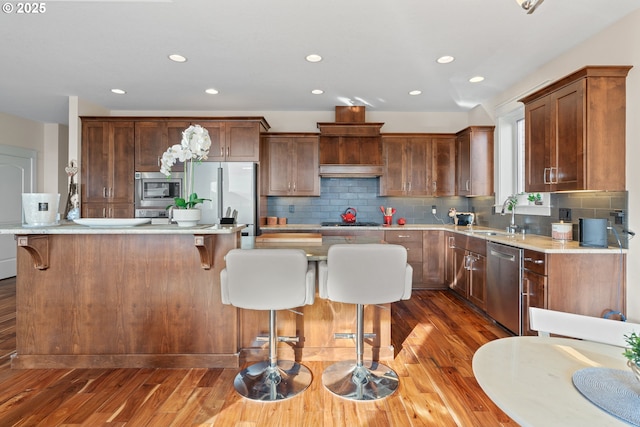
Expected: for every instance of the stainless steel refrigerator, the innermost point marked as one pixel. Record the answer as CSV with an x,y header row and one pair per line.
x,y
230,186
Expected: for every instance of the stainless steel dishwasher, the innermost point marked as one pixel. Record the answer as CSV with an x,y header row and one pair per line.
x,y
504,283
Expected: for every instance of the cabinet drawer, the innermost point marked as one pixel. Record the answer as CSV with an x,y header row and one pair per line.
x,y
414,251
535,261
401,236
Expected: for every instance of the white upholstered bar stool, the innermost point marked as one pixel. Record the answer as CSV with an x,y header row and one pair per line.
x,y
269,279
363,274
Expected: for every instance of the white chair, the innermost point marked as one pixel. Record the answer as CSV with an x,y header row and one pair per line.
x,y
587,328
363,274
269,279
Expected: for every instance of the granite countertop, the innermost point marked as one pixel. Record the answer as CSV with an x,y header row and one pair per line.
x,y
68,227
528,241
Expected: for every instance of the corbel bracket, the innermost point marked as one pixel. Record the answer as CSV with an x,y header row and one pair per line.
x,y
38,248
205,245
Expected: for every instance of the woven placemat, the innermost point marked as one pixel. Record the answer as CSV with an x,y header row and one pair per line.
x,y
613,390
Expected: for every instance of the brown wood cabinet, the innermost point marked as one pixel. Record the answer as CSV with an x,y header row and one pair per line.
x,y
237,141
468,265
412,240
433,259
575,132
107,168
418,165
475,161
290,165
152,139
534,285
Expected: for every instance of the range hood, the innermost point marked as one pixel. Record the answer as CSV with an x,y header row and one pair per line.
x,y
350,147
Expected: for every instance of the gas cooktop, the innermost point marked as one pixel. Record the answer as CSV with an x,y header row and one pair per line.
x,y
349,224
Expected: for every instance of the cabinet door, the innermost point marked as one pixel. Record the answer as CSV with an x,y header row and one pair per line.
x,y
279,164
443,170
304,166
460,279
567,136
412,241
122,165
434,259
96,157
417,164
476,265
392,182
537,146
463,169
218,140
449,270
242,141
150,143
107,210
533,295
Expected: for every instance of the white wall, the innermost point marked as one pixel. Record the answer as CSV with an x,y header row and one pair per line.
x,y
24,133
617,45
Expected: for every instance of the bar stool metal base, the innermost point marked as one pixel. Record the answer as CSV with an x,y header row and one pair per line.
x,y
370,381
261,381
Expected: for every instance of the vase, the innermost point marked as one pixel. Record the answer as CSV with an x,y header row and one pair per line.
x,y
635,368
187,217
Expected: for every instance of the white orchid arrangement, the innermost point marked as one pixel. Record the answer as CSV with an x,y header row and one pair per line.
x,y
193,149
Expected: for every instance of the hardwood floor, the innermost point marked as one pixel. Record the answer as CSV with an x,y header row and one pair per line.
x,y
435,335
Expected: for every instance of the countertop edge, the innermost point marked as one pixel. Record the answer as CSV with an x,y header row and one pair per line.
x,y
533,242
72,228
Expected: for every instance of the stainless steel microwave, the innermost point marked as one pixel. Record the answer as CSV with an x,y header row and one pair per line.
x,y
153,190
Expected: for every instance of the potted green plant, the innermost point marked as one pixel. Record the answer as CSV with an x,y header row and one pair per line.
x,y
536,199
193,148
633,353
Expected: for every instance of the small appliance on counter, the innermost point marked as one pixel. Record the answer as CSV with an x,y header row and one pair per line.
x,y
593,232
464,218
562,231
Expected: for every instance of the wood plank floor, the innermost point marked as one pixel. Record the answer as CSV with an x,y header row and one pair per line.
x,y
435,335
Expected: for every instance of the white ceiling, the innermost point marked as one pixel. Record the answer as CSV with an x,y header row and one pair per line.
x,y
253,52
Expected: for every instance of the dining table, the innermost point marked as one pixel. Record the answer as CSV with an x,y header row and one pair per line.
x,y
538,381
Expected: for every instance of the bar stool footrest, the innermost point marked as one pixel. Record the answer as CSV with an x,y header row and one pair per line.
x,y
371,381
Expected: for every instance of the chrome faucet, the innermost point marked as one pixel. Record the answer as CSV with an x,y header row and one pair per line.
x,y
511,201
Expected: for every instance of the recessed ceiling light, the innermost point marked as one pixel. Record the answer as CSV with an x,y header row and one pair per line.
x,y
211,91
317,91
314,58
476,79
118,91
445,59
177,58
415,92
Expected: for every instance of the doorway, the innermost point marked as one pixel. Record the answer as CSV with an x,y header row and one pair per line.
x,y
17,174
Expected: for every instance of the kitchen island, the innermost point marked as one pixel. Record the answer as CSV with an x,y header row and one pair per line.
x,y
149,296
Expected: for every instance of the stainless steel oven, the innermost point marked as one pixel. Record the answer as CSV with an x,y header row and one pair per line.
x,y
154,192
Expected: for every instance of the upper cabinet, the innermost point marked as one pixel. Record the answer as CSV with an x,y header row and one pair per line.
x,y
107,168
235,141
290,165
575,132
475,161
418,165
231,140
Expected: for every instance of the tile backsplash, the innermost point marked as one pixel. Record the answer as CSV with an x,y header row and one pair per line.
x,y
338,194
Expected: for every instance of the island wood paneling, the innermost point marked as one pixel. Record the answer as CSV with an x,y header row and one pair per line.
x,y
124,300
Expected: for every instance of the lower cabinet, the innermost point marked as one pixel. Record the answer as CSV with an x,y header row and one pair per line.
x,y
466,268
534,286
412,240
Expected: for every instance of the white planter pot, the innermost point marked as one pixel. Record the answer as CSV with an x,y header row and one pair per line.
x,y
187,217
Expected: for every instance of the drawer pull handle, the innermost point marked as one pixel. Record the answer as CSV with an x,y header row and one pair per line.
x,y
535,261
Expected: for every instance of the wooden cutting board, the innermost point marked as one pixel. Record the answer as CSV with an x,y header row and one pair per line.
x,y
290,237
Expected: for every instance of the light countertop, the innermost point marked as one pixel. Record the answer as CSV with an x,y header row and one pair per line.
x,y
68,227
527,241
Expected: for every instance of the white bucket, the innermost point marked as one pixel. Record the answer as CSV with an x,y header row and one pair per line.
x,y
40,209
